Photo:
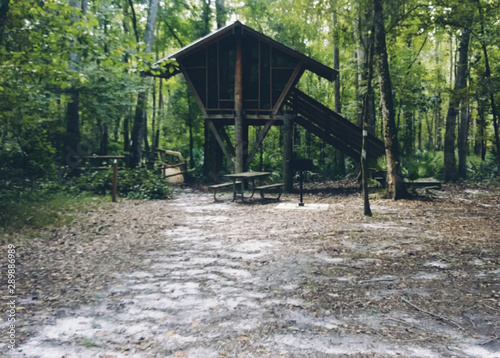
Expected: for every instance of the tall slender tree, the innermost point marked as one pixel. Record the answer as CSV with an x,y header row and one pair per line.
x,y
4,9
490,86
140,117
73,106
395,183
366,109
336,65
450,163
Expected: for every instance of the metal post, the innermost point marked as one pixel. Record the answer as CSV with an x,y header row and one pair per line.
x,y
288,152
115,182
301,203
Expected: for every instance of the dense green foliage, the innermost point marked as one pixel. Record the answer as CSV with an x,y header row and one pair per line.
x,y
50,50
133,184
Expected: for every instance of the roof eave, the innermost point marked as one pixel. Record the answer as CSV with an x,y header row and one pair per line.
x,y
310,64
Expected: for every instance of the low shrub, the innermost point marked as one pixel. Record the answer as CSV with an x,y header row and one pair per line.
x,y
140,183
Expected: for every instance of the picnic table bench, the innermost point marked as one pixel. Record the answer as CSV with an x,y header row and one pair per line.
x,y
271,187
217,187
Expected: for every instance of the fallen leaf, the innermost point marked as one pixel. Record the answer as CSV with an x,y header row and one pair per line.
x,y
195,323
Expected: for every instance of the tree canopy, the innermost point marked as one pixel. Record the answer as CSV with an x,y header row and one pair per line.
x,y
52,49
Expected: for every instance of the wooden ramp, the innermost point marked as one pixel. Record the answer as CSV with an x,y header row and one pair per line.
x,y
332,127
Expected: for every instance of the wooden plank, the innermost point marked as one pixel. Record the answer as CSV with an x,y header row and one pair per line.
x,y
100,157
259,140
175,174
270,186
223,185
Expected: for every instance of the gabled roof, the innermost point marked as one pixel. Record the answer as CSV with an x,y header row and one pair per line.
x,y
238,28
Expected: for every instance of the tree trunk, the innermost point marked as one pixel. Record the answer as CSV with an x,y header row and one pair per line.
x,y
73,108
220,13
430,133
364,170
139,127
450,165
438,118
134,21
153,120
4,9
363,45
491,90
463,132
338,105
395,183
104,140
126,133
480,147
419,134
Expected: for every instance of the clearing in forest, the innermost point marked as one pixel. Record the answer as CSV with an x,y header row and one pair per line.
x,y
194,278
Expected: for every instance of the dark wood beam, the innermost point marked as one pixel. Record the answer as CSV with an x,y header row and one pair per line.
x,y
216,133
193,90
297,73
258,141
226,138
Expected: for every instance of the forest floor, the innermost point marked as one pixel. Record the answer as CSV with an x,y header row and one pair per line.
x,y
189,277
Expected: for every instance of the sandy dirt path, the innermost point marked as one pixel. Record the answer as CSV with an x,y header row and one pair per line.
x,y
207,279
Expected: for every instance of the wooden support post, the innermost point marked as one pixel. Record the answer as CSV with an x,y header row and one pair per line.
x,y
288,152
238,111
115,182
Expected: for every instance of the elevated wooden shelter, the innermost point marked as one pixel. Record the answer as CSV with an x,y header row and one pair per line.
x,y
241,77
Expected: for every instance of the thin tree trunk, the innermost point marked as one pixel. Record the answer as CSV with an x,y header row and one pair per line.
x,y
364,169
450,165
490,87
4,10
362,76
430,133
419,134
73,108
479,147
463,132
126,133
338,104
134,21
139,127
395,182
438,127
220,13
153,120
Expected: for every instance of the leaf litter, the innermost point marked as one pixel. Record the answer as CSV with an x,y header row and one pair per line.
x,y
194,278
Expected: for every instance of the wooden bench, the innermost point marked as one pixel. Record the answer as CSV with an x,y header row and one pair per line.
x,y
217,187
271,187
428,183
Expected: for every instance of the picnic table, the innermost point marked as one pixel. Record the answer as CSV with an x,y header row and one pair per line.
x,y
239,180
